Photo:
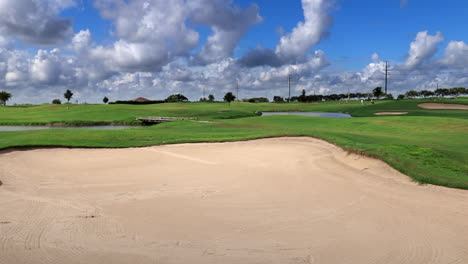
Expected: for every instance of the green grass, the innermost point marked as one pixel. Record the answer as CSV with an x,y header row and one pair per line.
x,y
411,106
48,113
428,145
45,114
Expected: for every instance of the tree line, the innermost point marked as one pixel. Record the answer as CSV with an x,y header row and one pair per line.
x,y
377,93
440,92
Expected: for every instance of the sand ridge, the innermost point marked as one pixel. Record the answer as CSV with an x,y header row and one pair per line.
x,y
281,200
443,106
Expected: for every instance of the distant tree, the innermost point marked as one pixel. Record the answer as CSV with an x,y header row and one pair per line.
x,y
377,92
105,100
56,101
176,98
302,97
68,95
401,97
203,99
229,97
332,97
314,98
462,90
457,91
278,99
426,93
441,92
256,100
211,98
4,97
294,99
389,97
412,94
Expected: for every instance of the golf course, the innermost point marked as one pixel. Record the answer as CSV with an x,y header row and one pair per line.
x,y
230,185
428,145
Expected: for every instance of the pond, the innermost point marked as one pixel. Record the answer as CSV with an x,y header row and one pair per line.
x,y
23,128
319,114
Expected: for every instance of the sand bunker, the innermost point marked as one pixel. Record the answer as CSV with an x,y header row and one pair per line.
x,y
443,106
286,200
391,113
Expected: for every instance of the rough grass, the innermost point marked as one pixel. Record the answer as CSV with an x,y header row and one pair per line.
x,y
430,146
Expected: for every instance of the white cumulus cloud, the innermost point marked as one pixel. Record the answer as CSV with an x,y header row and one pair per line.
x,y
308,33
456,54
423,48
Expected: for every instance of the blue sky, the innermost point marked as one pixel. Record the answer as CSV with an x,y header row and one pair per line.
x,y
122,49
360,27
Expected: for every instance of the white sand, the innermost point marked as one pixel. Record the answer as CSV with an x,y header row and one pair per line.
x,y
391,113
285,200
443,106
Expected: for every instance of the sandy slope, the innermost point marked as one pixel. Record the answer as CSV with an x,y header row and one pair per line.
x,y
443,106
285,200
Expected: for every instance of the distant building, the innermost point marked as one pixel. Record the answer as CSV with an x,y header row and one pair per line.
x,y
141,99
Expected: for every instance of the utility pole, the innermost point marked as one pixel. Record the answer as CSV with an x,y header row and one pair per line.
x,y
237,83
386,76
289,85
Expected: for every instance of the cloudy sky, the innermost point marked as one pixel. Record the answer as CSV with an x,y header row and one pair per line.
x,y
124,49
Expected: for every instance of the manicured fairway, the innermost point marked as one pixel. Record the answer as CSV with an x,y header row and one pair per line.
x,y
428,145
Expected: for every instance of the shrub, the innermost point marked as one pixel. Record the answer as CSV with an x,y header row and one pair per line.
x,y
278,99
175,98
56,101
256,100
389,97
138,102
